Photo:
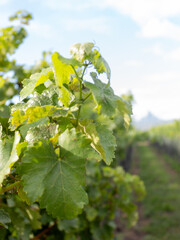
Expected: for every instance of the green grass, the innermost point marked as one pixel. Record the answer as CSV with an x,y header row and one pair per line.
x,y
161,207
174,163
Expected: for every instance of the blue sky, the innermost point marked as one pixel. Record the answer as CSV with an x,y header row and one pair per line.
x,y
139,39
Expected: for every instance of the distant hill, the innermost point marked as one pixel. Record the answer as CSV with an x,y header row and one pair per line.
x,y
150,121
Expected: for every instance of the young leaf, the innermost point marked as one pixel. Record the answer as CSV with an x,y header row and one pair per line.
x,y
63,72
34,81
33,114
101,65
81,51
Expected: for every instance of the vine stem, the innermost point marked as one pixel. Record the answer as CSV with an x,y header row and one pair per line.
x,y
43,232
11,186
80,99
80,91
87,97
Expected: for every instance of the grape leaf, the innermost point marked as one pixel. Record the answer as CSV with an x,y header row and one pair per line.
x,y
34,81
81,51
48,97
69,61
85,51
65,96
41,122
4,115
4,218
18,117
8,155
41,132
101,65
68,225
34,217
91,213
125,110
23,196
33,114
103,95
102,139
108,142
60,178
63,72
20,147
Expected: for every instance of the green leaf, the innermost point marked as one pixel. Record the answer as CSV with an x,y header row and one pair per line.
x,y
68,61
65,96
81,51
60,178
34,217
48,97
102,139
103,95
8,155
63,72
4,218
33,114
106,145
91,213
41,132
68,225
34,81
3,232
101,65
23,196
20,222
25,128
4,115
20,147
4,111
23,16
125,110
18,117
2,82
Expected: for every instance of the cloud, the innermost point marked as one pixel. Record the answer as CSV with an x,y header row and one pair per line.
x,y
133,63
155,49
4,16
155,92
43,30
163,99
4,20
78,5
164,79
4,2
142,10
153,16
155,28
174,54
97,25
167,55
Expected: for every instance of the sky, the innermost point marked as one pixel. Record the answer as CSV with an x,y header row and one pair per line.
x,y
140,39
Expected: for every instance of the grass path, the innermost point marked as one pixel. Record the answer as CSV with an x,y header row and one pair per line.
x,y
160,211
